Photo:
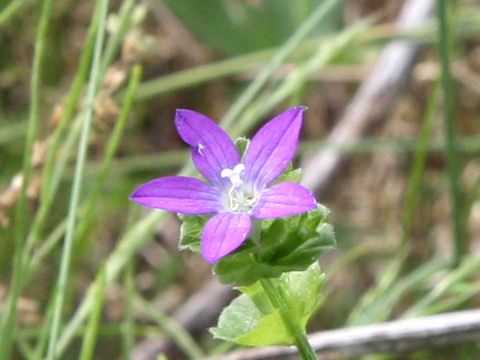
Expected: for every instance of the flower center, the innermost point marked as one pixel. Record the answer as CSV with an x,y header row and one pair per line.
x,y
239,199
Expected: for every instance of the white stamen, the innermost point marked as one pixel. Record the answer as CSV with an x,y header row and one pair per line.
x,y
239,200
200,148
234,175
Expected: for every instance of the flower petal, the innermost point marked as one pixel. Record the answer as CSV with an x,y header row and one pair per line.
x,y
272,148
284,199
179,194
212,149
223,233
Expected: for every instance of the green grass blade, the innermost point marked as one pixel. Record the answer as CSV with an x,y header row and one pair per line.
x,y
171,328
102,173
76,186
12,132
325,53
11,10
461,245
53,166
42,339
135,237
317,15
91,331
468,267
418,166
360,313
112,146
128,326
9,311
200,74
113,41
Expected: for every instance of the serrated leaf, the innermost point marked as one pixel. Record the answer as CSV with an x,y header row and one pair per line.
x,y
251,319
191,231
287,244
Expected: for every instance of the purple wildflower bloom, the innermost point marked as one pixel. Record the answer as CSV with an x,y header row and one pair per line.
x,y
236,190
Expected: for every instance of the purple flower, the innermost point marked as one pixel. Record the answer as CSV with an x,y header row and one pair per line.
x,y
237,189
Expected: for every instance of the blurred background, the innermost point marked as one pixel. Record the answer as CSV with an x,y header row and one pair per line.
x,y
389,144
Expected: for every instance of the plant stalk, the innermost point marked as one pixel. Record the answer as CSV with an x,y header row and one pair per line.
x,y
461,245
301,341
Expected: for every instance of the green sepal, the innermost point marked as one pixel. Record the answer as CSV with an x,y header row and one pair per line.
x,y
252,320
242,144
287,244
191,231
290,175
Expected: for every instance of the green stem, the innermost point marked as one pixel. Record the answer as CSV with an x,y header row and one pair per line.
x,y
256,231
301,341
461,246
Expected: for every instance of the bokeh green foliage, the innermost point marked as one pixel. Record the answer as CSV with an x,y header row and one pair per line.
x,y
238,27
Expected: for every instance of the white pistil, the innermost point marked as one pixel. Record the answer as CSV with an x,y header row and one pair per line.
x,y
239,201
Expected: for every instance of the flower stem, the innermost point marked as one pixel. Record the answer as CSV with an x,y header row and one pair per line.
x,y
255,232
276,298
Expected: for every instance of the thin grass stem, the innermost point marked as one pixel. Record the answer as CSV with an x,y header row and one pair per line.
x,y
128,326
461,245
418,166
171,328
77,185
102,173
12,132
317,15
112,146
113,41
11,10
48,190
9,311
91,331
321,57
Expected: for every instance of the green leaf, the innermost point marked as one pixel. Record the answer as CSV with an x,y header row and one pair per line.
x,y
251,319
244,323
301,292
287,244
191,231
